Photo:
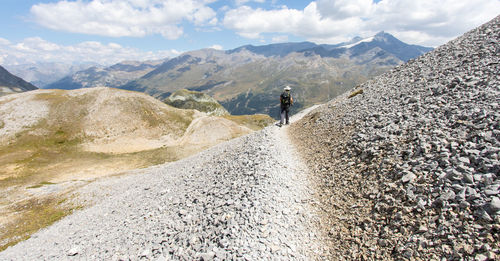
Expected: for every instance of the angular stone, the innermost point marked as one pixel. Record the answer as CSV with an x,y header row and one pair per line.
x,y
74,251
408,177
480,257
453,174
483,215
468,178
464,160
422,229
495,204
208,256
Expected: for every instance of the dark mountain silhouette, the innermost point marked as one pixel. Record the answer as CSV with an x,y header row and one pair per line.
x,y
10,83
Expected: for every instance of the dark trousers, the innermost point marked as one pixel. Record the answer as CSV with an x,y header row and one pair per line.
x,y
285,110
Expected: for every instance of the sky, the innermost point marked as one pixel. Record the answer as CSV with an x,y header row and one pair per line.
x,y
110,31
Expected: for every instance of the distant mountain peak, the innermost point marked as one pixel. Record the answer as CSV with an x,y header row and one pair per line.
x,y
356,39
385,37
277,49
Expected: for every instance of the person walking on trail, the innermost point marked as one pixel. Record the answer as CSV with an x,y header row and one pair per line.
x,y
286,101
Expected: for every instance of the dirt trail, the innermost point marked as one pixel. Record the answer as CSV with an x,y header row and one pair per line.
x,y
248,198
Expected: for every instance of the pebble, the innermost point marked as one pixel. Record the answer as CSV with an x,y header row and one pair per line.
x,y
74,251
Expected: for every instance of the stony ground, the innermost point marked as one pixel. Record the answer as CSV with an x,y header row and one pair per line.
x,y
245,199
404,167
408,163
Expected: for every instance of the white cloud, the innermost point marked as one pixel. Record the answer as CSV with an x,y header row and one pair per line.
x,y
341,9
251,23
242,2
4,41
280,39
425,22
216,47
33,50
117,18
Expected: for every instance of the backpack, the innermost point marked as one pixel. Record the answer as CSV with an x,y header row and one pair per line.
x,y
285,98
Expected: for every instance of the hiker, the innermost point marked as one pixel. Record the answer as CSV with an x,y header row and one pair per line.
x,y
286,101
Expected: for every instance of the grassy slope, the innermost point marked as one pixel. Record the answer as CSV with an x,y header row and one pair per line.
x,y
56,139
51,147
39,155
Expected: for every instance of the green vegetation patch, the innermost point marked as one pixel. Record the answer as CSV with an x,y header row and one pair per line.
x,y
39,185
185,99
34,215
52,147
356,92
254,122
174,120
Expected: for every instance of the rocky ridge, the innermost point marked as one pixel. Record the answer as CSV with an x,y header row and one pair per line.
x,y
407,164
112,76
185,99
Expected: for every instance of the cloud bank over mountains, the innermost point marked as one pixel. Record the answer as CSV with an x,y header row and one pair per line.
x,y
36,49
423,22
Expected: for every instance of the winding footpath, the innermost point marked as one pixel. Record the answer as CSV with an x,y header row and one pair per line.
x,y
248,198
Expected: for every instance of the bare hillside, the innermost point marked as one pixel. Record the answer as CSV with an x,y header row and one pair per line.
x,y
407,164
50,137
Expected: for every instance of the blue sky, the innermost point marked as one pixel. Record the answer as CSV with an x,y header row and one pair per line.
x,y
109,31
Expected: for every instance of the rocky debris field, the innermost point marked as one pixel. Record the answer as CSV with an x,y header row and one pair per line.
x,y
246,199
407,164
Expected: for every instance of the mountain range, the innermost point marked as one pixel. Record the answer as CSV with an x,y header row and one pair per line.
x,y
43,73
113,76
247,79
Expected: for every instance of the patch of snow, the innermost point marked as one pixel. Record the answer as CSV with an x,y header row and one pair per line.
x,y
366,40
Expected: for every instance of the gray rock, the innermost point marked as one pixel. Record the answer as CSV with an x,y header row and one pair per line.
x,y
468,178
74,251
408,177
495,204
491,192
480,257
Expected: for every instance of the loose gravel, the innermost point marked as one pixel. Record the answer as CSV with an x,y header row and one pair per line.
x,y
408,163
246,199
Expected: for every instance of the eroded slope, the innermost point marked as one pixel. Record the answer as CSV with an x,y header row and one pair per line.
x,y
407,164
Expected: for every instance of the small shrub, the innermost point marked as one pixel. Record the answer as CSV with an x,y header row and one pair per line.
x,y
41,184
356,92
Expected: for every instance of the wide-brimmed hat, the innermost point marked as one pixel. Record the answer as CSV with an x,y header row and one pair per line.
x,y
287,88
